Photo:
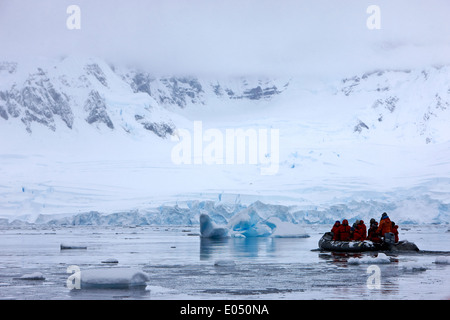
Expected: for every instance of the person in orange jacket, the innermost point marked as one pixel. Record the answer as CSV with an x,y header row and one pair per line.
x,y
343,232
335,228
395,231
385,224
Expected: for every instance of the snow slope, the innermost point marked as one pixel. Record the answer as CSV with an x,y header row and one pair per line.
x,y
81,136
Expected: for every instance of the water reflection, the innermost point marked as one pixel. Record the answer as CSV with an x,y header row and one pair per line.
x,y
132,293
252,247
236,248
210,246
356,278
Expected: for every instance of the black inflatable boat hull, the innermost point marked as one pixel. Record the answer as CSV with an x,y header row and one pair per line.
x,y
326,243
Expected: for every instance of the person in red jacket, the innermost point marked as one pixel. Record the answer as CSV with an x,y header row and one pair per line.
x,y
359,233
394,230
363,230
343,232
335,228
373,235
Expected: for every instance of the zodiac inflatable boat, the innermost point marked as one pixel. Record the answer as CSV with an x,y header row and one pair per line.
x,y
326,243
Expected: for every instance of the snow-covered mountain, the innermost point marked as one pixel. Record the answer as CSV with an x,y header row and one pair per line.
x,y
413,103
77,90
81,136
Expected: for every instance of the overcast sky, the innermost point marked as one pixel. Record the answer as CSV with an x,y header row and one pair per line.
x,y
233,36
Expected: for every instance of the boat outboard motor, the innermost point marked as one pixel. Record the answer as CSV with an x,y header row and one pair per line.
x,y
389,238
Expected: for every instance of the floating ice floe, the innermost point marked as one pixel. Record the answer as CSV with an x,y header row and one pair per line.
x,y
380,259
112,278
413,266
110,260
442,260
32,276
71,246
224,263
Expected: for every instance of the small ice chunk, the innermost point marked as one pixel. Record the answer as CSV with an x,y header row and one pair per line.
x,y
32,276
64,246
157,290
353,261
442,260
112,278
224,263
413,266
110,260
380,259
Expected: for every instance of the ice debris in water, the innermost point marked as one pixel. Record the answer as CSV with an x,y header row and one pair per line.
x,y
32,276
380,259
71,246
413,266
224,263
110,260
442,260
112,278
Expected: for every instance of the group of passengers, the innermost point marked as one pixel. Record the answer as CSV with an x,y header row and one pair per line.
x,y
358,232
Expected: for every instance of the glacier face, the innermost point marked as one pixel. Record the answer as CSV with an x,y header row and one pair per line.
x,y
241,217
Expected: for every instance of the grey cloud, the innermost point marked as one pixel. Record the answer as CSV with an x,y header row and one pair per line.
x,y
239,37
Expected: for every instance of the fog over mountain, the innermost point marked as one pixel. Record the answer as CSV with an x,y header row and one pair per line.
x,y
313,38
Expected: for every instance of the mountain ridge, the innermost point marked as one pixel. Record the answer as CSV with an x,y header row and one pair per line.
x,y
76,90
83,90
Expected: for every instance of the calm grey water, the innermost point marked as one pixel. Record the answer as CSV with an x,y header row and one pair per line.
x,y
181,265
